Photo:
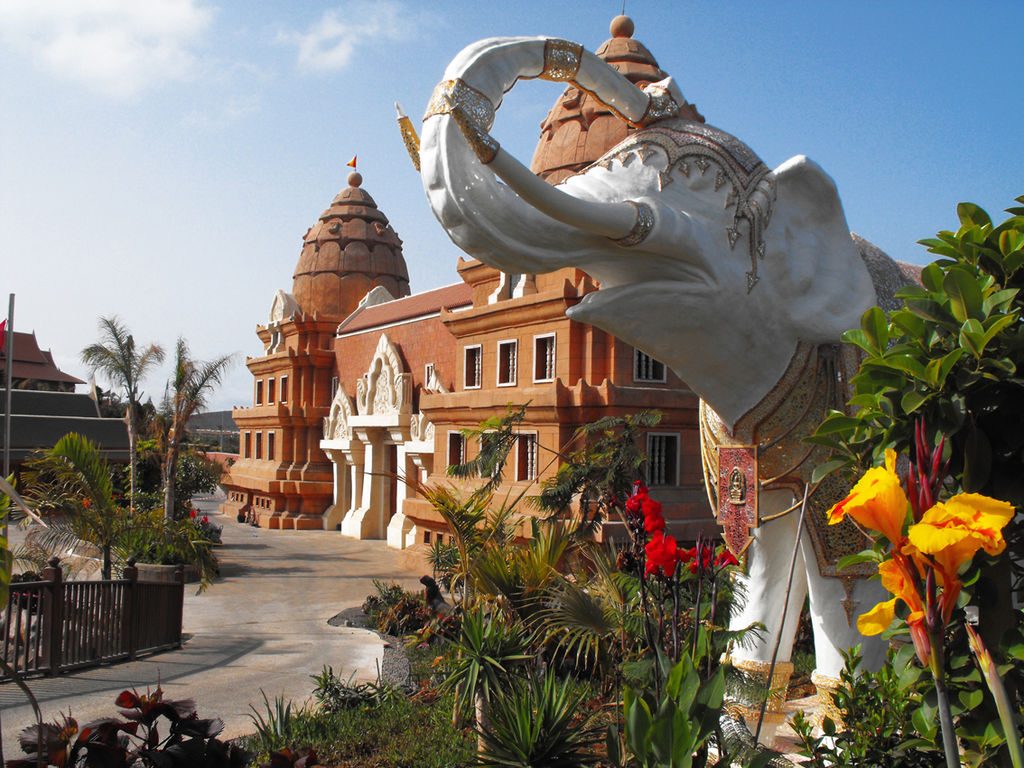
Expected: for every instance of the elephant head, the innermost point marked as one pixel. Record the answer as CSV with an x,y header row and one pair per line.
x,y
705,258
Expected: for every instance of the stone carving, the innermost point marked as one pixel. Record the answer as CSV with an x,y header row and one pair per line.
x,y
283,307
421,429
385,388
433,385
753,331
337,425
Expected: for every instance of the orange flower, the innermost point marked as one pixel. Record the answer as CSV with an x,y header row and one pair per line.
x,y
953,531
897,581
877,501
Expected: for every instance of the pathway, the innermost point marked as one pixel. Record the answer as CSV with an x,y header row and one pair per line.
x,y
261,625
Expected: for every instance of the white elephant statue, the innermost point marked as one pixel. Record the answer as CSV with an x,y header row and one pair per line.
x,y
738,277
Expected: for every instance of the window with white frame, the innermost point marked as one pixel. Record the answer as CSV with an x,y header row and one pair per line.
x,y
526,456
456,449
544,357
247,449
284,389
428,375
259,445
271,391
508,353
259,392
646,368
662,459
474,367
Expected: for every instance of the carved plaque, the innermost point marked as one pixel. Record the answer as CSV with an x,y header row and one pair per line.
x,y
737,495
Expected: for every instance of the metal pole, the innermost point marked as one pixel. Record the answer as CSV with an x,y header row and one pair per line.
x,y
9,361
9,354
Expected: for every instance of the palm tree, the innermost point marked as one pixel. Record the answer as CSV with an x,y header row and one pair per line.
x,y
73,479
190,385
117,358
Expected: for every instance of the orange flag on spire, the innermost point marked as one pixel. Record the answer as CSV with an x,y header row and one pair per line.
x,y
352,163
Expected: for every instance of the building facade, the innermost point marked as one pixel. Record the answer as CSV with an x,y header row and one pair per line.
x,y
390,380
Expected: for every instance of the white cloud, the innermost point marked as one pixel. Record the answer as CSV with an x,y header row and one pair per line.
x,y
330,42
116,47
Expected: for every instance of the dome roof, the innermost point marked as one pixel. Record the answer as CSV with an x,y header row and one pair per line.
x,y
348,252
579,129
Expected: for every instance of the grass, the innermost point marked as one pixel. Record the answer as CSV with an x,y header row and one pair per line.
x,y
398,733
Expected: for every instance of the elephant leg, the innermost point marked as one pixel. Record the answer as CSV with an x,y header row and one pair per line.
x,y
834,614
763,591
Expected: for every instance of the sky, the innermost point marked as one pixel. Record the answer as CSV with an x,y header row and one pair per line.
x,y
161,159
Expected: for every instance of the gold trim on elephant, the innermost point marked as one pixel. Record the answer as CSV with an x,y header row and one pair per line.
x,y
810,386
562,59
641,228
456,95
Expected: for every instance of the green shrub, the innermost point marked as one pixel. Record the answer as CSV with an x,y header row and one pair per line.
x,y
396,611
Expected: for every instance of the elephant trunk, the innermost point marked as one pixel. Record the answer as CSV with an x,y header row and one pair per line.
x,y
526,226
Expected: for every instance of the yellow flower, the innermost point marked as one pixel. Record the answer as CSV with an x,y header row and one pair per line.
x,y
877,501
897,581
953,531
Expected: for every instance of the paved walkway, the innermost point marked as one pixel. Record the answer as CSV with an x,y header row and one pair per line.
x,y
261,625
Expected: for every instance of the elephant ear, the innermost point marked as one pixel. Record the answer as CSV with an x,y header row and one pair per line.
x,y
824,278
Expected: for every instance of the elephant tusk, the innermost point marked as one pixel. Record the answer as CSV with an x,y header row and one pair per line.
x,y
613,220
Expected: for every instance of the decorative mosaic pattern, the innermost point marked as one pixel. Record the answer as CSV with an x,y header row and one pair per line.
x,y
660,105
561,60
484,146
777,426
737,503
451,96
641,229
690,146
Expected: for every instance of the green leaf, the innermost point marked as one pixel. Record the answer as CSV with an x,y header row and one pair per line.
x,y
999,301
837,422
913,399
876,327
866,556
972,215
1010,241
964,294
823,470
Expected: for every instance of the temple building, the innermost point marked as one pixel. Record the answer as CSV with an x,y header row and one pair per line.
x,y
45,406
364,389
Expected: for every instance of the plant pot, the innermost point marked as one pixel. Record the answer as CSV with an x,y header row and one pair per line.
x,y
164,574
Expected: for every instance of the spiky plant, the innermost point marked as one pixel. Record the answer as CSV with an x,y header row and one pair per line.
x,y
539,723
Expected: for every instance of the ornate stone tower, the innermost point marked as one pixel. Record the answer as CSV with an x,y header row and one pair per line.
x,y
282,479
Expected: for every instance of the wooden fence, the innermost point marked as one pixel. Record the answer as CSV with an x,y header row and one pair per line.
x,y
51,626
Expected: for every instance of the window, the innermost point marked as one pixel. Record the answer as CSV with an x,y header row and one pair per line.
x,y
284,389
259,392
646,368
508,351
526,457
247,450
259,445
426,537
270,445
474,367
544,358
456,449
334,386
662,459
271,391
428,375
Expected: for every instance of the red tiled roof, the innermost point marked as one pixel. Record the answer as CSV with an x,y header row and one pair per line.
x,y
30,362
409,308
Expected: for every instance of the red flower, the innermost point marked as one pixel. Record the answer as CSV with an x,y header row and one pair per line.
x,y
726,557
634,504
205,520
653,520
193,513
661,554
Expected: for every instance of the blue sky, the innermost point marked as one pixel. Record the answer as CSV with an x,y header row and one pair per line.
x,y
161,159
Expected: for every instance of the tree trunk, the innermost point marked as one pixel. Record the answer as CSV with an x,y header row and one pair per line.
x,y
106,562
131,458
481,720
170,466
